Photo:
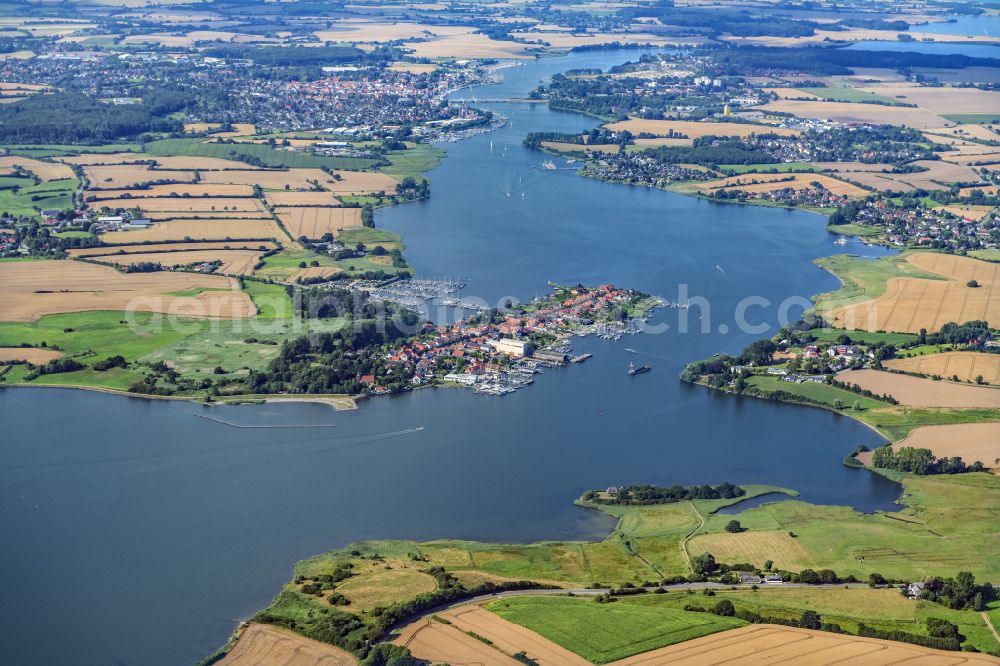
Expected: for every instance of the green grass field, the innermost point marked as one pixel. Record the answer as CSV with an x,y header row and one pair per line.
x,y
371,237
864,279
884,609
54,150
28,199
862,337
853,230
418,159
973,118
602,633
272,300
822,393
784,167
267,155
845,94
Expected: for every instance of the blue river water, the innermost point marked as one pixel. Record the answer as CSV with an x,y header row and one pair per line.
x,y
138,533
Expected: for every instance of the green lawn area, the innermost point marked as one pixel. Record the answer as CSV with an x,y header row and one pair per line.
x,y
29,198
271,299
267,155
822,393
973,119
853,230
418,159
946,525
371,237
864,278
862,337
602,633
73,234
845,94
884,609
986,255
54,150
898,422
765,168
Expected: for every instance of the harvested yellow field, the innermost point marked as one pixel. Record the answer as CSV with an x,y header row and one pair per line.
x,y
385,587
171,41
764,182
847,112
760,644
413,67
198,128
942,99
294,179
973,213
509,637
268,645
694,130
563,147
438,643
980,132
107,158
662,141
920,392
239,129
791,93
125,176
301,199
181,229
209,215
44,170
568,40
311,272
33,289
140,248
468,46
940,175
187,205
360,30
910,304
968,441
29,354
234,262
752,546
967,366
988,190
175,189
183,162
313,222
360,182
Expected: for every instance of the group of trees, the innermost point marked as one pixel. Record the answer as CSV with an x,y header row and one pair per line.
x,y
647,494
960,592
921,461
70,117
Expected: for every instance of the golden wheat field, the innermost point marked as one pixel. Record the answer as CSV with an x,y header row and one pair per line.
x,y
301,199
942,99
87,159
234,262
910,304
192,190
125,176
36,288
187,204
752,545
967,366
313,222
361,182
968,441
208,215
847,112
269,179
694,130
140,248
191,229
29,354
44,170
771,182
919,392
268,645
440,643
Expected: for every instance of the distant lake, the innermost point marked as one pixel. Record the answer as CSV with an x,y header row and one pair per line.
x,y
138,533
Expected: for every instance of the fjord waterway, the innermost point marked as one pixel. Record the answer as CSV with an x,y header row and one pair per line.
x,y
137,533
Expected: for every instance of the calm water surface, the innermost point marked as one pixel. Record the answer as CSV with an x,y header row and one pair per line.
x,y
138,533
